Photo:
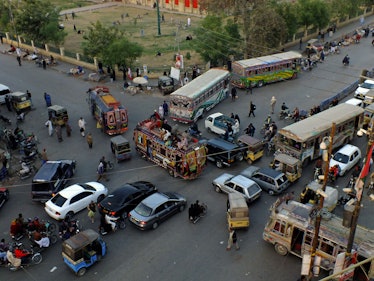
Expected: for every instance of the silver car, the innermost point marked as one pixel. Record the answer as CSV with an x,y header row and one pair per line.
x,y
156,208
227,183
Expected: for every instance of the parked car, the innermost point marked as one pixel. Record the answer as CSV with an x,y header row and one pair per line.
x,y
51,178
156,208
74,198
272,181
239,184
4,90
364,88
223,153
4,195
346,157
218,123
125,198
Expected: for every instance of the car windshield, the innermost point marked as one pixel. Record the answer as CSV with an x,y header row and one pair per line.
x,y
342,158
87,187
253,189
58,200
143,210
367,86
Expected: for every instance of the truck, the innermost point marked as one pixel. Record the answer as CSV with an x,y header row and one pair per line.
x,y
218,123
110,115
181,155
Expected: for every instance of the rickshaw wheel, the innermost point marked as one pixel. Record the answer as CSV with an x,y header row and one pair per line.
x,y
249,161
81,271
37,258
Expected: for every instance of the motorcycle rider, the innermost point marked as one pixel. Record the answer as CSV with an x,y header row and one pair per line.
x,y
43,242
24,169
194,129
346,60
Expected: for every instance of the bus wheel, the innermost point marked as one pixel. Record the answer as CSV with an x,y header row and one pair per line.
x,y
280,249
260,83
171,172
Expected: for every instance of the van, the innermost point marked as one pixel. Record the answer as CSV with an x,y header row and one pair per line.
x,y
237,211
4,90
356,102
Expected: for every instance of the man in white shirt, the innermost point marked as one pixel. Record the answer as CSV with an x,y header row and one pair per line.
x,y
43,242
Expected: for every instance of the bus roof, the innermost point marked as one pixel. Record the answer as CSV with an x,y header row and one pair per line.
x,y
270,59
305,129
333,229
194,88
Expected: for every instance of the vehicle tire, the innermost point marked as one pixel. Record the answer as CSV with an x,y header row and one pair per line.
x,y
154,225
271,192
124,215
280,249
81,271
171,172
217,189
53,238
52,227
122,224
249,161
69,216
209,130
219,164
260,84
240,157
37,258
100,198
181,208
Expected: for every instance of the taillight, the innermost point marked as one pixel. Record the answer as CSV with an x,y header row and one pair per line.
x,y
113,214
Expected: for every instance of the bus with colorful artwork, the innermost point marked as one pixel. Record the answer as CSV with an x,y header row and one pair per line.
x,y
257,72
193,100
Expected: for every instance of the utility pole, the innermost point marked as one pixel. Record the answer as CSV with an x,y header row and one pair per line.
x,y
158,18
325,158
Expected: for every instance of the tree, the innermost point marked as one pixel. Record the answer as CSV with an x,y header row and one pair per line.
x,y
288,12
313,12
122,52
39,21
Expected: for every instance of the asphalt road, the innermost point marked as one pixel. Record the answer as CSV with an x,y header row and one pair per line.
x,y
177,250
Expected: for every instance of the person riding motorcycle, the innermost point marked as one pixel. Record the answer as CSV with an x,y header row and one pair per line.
x,y
194,129
346,60
334,171
195,210
43,242
24,169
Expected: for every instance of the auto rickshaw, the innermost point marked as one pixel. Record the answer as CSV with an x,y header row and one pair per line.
x,y
120,147
83,250
237,211
289,165
254,148
166,84
20,101
58,115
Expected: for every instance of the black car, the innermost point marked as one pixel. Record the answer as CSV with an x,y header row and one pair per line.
x,y
4,195
52,177
125,198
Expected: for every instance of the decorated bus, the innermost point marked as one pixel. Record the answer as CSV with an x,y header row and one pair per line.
x,y
111,116
178,153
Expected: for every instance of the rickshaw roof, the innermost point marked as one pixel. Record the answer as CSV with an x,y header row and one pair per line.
x,y
287,159
56,108
118,140
18,94
81,239
250,141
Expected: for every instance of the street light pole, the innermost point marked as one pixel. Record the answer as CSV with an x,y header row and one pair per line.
x,y
325,157
158,18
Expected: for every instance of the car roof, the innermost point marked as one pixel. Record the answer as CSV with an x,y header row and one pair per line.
x,y
348,149
242,181
47,171
125,190
71,191
155,200
270,172
222,144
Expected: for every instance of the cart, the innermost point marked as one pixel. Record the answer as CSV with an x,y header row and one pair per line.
x,y
58,115
120,147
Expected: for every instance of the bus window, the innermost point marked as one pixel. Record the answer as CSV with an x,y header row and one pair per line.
x,y
280,227
327,248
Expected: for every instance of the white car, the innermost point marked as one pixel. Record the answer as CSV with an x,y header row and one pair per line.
x,y
218,123
346,157
364,88
74,198
4,90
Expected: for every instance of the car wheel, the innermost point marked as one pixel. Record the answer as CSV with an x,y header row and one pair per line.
x,y
280,249
219,164
217,189
209,130
271,192
69,216
181,208
100,198
81,271
154,225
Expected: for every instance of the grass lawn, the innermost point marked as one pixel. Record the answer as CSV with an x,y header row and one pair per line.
x,y
140,25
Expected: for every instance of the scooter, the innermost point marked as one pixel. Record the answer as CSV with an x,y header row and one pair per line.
x,y
106,227
68,228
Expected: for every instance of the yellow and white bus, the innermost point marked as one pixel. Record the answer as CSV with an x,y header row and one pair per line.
x,y
191,101
302,139
267,69
290,228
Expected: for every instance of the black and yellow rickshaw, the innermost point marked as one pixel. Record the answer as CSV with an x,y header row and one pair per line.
x,y
287,164
253,148
58,115
120,147
20,101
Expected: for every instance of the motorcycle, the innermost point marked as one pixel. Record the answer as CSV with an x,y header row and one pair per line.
x,y
107,227
20,118
31,258
68,228
196,212
193,131
26,170
284,114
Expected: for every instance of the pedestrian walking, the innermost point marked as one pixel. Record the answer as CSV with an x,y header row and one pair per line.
x,y
101,172
89,140
68,129
8,103
44,63
233,239
236,117
75,28
249,89
166,108
252,108
91,211
49,125
233,94
300,43
82,126
47,99
19,60
44,156
59,133
273,101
